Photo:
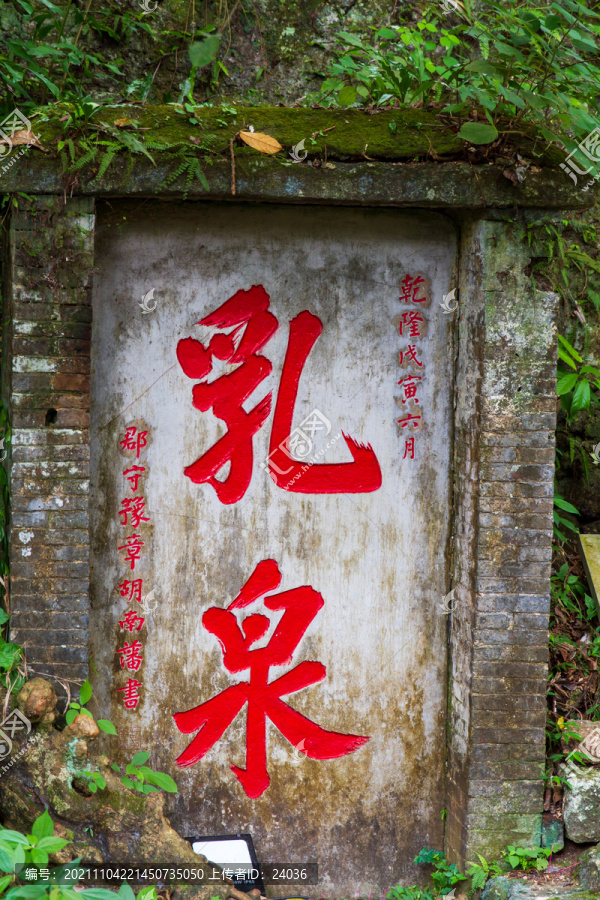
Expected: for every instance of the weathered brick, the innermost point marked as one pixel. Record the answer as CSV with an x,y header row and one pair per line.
x,y
66,382
49,479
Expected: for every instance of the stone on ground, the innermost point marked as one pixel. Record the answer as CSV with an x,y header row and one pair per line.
x,y
503,888
581,807
589,869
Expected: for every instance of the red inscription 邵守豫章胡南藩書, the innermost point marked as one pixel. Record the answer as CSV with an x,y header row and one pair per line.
x,y
247,312
132,514
212,718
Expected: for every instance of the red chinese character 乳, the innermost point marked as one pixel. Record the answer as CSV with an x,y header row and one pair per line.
x,y
248,312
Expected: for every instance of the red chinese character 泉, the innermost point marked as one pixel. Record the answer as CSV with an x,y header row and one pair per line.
x,y
133,588
133,545
410,287
134,440
131,621
263,697
133,475
131,656
133,508
132,697
253,325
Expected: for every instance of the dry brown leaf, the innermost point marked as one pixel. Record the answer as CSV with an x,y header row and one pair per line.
x,y
23,137
262,142
121,123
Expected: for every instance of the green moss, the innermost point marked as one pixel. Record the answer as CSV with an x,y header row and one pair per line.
x,y
345,134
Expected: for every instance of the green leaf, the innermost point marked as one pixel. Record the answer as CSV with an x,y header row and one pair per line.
x,y
566,358
348,95
27,892
514,861
106,726
581,397
147,893
131,769
566,383
4,882
68,893
160,779
39,857
569,347
85,692
52,844
15,837
483,67
552,23
202,53
6,860
478,133
127,782
140,758
97,894
126,892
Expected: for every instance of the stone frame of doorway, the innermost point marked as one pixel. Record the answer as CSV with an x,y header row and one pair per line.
x,y
503,445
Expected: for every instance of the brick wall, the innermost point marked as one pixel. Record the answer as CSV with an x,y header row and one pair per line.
x,y
504,453
47,379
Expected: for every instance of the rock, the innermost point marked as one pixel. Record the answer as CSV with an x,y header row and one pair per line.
x,y
581,808
503,888
589,869
37,699
497,889
113,826
82,727
553,834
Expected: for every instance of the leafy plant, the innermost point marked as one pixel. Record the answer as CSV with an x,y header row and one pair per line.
x,y
138,776
45,55
528,857
444,877
569,593
409,893
576,389
23,855
75,709
480,872
560,504
142,778
511,67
